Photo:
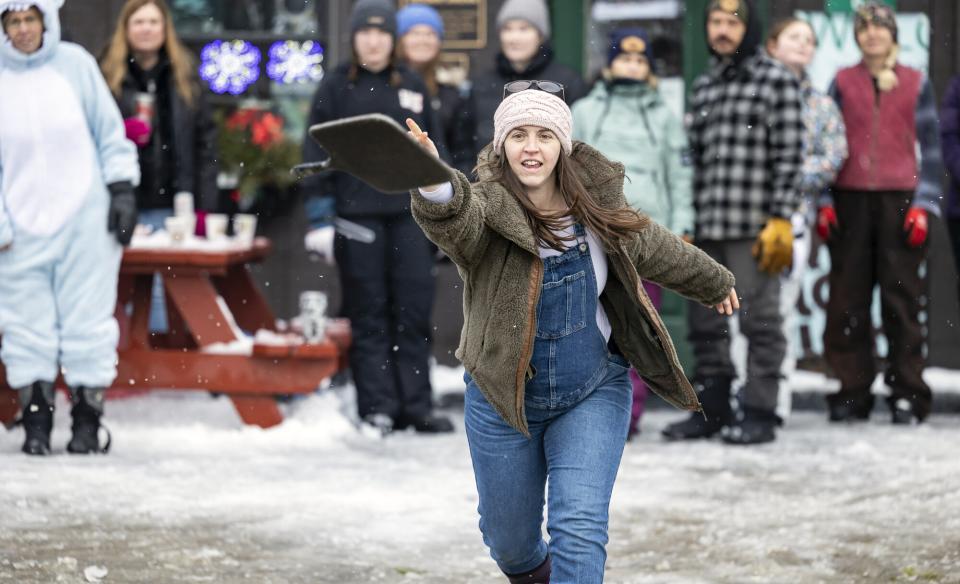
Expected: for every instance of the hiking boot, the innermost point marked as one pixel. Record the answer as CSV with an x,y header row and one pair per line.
x,y
756,426
86,412
850,406
429,424
36,416
714,394
540,575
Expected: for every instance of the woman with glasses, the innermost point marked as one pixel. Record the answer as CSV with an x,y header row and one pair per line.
x,y
552,258
625,117
525,53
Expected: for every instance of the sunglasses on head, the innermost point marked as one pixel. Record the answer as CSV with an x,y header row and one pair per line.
x,y
551,87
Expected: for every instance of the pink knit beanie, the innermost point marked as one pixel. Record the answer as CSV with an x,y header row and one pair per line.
x,y
533,107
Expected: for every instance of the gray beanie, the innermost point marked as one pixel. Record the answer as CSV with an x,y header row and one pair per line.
x,y
373,14
533,11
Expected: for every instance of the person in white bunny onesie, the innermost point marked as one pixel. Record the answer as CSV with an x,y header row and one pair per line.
x,y
67,206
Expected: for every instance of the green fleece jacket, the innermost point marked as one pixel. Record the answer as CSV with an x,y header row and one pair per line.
x,y
630,123
484,230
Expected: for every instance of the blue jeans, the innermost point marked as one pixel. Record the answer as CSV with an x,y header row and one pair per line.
x,y
578,410
158,301
578,449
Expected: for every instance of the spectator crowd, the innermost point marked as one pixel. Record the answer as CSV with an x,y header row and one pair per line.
x,y
567,180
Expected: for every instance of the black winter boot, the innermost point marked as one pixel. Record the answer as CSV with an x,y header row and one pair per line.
x,y
714,394
541,575
903,413
86,412
429,424
756,426
36,415
850,406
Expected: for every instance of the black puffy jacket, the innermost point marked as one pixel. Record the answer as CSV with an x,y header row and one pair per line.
x,y
182,152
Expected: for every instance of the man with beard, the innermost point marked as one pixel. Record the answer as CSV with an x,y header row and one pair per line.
x,y
746,138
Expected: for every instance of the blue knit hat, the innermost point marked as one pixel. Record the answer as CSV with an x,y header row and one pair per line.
x,y
413,14
629,40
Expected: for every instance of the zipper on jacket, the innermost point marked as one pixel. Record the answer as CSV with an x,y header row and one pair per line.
x,y
646,124
532,299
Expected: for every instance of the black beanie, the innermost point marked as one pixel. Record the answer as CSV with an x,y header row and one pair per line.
x,y
373,14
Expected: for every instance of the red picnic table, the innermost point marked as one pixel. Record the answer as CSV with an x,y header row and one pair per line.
x,y
203,350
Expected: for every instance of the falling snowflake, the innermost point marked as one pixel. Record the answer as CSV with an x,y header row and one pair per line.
x,y
294,62
230,66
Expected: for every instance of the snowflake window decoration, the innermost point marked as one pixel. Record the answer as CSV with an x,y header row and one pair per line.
x,y
294,62
230,66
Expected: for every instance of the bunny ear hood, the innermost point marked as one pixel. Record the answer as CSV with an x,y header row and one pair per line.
x,y
9,56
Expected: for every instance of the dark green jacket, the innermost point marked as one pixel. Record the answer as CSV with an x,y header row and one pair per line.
x,y
484,230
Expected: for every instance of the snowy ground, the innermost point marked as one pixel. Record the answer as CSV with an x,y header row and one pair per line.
x,y
188,495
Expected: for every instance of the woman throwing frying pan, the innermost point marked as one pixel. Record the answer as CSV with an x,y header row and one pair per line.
x,y
555,314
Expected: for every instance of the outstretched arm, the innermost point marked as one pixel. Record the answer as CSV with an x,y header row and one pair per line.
x,y
454,219
664,259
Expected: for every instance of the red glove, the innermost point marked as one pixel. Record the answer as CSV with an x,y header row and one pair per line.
x,y
916,226
138,131
827,225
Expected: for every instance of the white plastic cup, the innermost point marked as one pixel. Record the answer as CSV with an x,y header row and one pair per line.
x,y
216,225
245,228
178,228
183,204
313,318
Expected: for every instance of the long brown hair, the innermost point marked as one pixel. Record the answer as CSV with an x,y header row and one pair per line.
x,y
115,61
354,72
610,226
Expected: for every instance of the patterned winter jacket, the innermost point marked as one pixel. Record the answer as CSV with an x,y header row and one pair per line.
x,y
746,137
825,142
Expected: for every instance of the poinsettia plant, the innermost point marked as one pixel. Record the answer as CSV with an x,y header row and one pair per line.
x,y
254,147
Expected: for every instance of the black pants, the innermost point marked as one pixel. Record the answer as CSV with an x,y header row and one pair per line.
x,y
388,290
871,249
953,224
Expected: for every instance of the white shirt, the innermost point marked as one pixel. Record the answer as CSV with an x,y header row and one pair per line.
x,y
444,194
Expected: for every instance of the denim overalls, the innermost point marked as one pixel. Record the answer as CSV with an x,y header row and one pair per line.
x,y
578,410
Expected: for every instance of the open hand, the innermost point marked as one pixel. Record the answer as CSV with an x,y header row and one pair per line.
x,y
729,304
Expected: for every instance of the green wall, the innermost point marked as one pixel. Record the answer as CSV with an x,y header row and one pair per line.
x,y
567,21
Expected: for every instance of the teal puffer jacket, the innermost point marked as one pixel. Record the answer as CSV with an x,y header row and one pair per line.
x,y
630,123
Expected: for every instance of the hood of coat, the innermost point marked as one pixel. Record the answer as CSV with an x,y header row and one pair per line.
x,y
11,57
599,175
750,45
644,94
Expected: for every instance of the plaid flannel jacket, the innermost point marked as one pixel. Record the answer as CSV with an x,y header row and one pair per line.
x,y
747,139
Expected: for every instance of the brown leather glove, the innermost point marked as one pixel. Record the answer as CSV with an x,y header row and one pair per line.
x,y
774,246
